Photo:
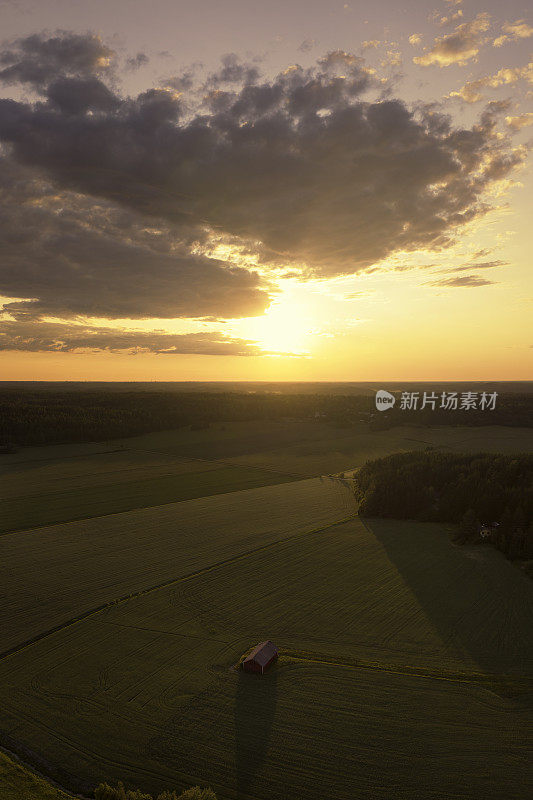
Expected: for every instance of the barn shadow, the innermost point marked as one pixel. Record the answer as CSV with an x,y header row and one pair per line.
x,y
255,707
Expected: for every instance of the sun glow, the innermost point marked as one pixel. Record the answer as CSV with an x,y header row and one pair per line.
x,y
285,328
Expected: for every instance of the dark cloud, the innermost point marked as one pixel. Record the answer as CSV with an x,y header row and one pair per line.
x,y
233,70
135,62
34,337
464,280
298,172
80,95
70,256
181,83
38,59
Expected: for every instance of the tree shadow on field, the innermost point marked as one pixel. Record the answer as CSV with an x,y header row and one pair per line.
x,y
255,707
453,591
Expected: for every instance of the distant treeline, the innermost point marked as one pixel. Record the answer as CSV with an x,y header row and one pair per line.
x,y
469,490
45,416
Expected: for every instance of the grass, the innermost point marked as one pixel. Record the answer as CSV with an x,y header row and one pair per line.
x,y
404,672
37,510
18,783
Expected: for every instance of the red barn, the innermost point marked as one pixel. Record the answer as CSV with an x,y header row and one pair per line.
x,y
260,658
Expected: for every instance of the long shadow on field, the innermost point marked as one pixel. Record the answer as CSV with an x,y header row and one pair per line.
x,y
456,592
255,707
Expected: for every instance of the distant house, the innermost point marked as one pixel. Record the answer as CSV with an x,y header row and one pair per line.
x,y
260,658
488,529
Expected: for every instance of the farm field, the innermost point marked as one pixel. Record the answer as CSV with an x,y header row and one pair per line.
x,y
137,572
390,639
42,486
53,574
100,499
346,449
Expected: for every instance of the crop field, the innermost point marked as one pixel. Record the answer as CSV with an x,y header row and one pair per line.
x,y
405,663
70,486
345,449
42,486
53,574
136,573
30,511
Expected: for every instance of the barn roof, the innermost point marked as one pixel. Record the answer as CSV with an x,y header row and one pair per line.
x,y
262,653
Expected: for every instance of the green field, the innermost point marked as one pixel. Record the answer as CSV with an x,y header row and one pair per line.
x,y
56,573
406,663
42,486
405,672
30,511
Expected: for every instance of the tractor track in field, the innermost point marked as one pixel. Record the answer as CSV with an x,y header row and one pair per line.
x,y
492,682
39,637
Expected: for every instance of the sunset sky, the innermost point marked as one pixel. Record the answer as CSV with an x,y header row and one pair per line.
x,y
245,190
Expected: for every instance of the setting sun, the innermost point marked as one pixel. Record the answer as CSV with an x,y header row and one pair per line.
x,y
284,328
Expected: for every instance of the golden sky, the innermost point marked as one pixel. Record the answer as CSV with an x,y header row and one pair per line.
x,y
310,193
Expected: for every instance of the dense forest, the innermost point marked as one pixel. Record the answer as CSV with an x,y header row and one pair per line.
x,y
49,417
474,491
35,416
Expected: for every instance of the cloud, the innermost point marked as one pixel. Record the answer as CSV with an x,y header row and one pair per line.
x,y
233,70
38,59
463,281
140,60
307,45
512,31
480,265
415,39
393,58
447,19
152,207
458,47
56,337
337,60
520,121
183,82
80,95
64,255
471,92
